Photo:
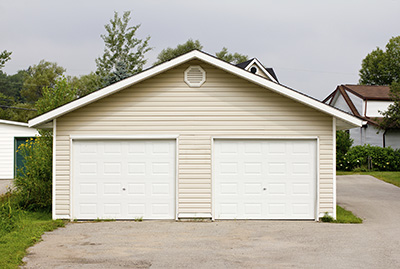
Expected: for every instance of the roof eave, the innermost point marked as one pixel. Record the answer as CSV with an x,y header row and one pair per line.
x,y
273,86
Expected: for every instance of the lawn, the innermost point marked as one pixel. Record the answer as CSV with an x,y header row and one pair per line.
x,y
27,229
389,177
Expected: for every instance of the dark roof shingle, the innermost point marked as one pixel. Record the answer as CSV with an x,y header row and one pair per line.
x,y
369,92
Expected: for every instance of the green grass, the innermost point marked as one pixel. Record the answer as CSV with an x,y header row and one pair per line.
x,y
345,216
29,228
389,177
342,216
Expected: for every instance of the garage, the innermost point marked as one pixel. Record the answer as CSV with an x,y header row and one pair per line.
x,y
123,179
265,179
195,137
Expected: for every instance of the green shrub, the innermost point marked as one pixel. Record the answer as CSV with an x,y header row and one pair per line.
x,y
9,214
360,158
33,183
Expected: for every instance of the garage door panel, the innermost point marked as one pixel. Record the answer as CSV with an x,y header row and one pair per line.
x,y
124,179
265,179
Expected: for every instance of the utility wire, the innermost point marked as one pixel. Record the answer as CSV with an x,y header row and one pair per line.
x,y
22,108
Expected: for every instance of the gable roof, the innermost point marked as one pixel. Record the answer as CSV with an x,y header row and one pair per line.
x,y
344,120
365,92
369,92
16,123
269,72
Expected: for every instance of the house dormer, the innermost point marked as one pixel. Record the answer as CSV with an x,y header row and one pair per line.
x,y
254,66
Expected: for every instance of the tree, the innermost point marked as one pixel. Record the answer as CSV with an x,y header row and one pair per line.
x,y
11,85
382,67
61,93
85,84
391,117
170,53
44,74
34,183
4,57
235,58
122,48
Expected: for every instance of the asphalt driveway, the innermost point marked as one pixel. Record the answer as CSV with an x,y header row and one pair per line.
x,y
238,244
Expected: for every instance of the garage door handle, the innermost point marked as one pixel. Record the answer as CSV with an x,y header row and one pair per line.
x,y
123,189
264,189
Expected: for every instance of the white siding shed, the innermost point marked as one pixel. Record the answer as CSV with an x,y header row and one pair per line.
x,y
9,131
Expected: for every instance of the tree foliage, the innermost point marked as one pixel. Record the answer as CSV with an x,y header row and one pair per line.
x,y
170,53
86,84
235,58
122,48
44,74
4,57
382,67
52,97
11,85
34,183
391,117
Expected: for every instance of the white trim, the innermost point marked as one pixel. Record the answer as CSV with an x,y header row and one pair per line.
x,y
261,67
116,87
334,166
71,186
267,137
122,137
176,177
317,187
212,180
53,198
63,217
17,123
317,157
194,215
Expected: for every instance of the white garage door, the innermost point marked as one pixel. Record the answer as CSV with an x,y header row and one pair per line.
x,y
265,179
124,179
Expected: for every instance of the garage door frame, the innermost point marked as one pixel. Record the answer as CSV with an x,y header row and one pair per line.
x,y
109,137
266,138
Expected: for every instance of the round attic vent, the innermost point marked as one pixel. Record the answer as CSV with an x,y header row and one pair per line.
x,y
195,76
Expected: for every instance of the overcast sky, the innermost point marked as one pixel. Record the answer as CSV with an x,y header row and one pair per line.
x,y
313,46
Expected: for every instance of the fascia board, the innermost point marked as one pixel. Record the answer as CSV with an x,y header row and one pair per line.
x,y
110,89
283,91
184,58
14,123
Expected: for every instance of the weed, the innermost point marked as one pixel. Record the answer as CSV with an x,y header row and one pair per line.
x,y
138,219
327,218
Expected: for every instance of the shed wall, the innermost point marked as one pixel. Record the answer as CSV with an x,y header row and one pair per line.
x,y
7,134
225,105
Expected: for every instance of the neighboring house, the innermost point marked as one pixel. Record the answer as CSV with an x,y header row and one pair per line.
x,y
365,101
195,137
254,66
12,134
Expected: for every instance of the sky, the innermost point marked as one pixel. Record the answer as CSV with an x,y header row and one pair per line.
x,y
312,45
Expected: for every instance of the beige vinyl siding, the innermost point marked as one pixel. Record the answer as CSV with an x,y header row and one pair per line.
x,y
224,106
